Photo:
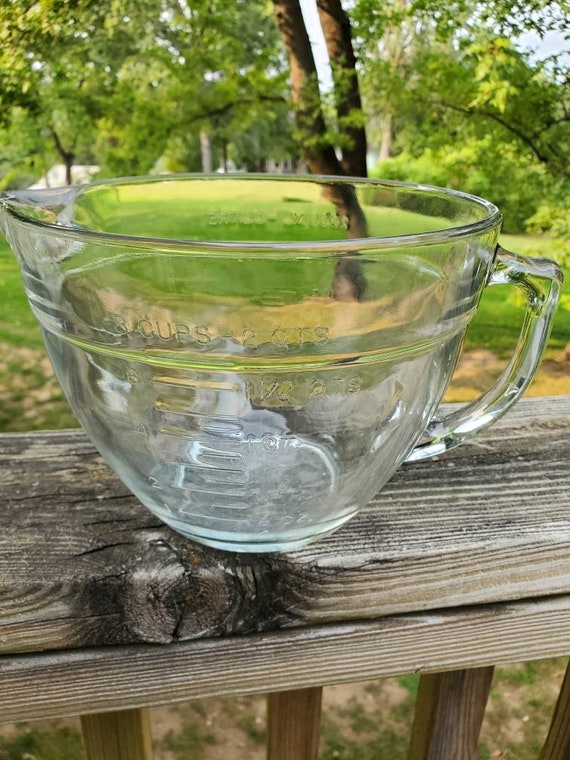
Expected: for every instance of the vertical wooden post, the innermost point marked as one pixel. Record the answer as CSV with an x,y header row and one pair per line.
x,y
294,719
449,714
121,735
557,745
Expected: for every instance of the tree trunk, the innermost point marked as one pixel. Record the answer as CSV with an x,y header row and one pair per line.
x,y
68,160
225,155
319,152
348,281
338,37
45,168
67,156
386,137
206,152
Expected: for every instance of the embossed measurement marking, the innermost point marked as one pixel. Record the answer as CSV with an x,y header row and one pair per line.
x,y
187,334
263,390
203,473
192,382
285,336
162,330
201,453
181,421
218,518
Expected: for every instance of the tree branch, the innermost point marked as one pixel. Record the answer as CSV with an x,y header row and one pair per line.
x,y
523,137
223,109
66,155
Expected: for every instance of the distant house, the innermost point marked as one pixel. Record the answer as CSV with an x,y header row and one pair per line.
x,y
56,176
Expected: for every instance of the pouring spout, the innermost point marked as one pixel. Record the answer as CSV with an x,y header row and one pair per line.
x,y
4,198
51,205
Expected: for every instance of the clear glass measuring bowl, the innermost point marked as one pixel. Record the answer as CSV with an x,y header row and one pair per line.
x,y
256,355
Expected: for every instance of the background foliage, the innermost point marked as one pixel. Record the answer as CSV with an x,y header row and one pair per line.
x,y
452,94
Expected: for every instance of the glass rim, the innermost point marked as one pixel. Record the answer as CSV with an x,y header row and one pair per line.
x,y
491,220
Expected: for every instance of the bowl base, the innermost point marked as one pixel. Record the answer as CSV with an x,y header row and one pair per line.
x,y
249,544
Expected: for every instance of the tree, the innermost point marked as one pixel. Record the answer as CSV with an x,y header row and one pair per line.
x,y
223,61
123,81
456,68
318,138
448,88
23,152
427,64
58,63
470,108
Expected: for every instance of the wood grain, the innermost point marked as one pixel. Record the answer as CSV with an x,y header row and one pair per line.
x,y
82,563
449,714
122,735
557,745
294,719
56,684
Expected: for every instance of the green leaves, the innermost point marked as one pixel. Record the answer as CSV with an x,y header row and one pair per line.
x,y
457,68
119,82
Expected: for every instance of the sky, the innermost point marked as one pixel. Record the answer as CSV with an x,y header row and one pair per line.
x,y
553,42
311,16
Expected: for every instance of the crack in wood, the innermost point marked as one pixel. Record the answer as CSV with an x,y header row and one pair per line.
x,y
101,549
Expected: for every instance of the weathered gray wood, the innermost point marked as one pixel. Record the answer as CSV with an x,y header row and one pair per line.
x,y
293,726
82,563
557,744
56,684
449,714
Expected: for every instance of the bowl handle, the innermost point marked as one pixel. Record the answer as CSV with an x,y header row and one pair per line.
x,y
540,281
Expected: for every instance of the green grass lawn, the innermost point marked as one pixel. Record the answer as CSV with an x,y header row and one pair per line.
x,y
497,323
250,210
18,326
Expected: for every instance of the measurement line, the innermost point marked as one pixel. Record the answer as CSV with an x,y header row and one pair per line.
x,y
218,517
209,468
183,382
230,439
235,494
164,407
231,507
222,456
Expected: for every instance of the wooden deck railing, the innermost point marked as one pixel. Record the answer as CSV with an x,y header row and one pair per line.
x,y
459,564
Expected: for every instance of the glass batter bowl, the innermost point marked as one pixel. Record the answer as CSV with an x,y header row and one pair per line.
x,y
255,356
